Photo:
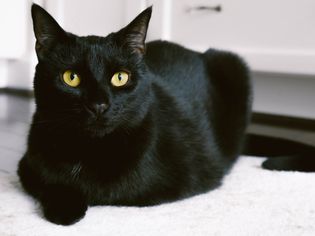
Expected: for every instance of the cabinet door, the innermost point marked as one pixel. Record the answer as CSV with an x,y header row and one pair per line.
x,y
276,36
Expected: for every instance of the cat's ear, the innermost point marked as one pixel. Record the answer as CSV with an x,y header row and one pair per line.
x,y
134,34
47,30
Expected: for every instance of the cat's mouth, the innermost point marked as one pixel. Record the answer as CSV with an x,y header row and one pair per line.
x,y
98,128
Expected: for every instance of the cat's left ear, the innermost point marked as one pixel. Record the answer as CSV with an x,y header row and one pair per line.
x,y
134,34
47,30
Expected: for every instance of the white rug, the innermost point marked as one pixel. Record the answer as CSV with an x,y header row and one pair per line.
x,y
252,201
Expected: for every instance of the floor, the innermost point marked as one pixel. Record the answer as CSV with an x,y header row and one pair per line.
x,y
265,195
15,117
16,112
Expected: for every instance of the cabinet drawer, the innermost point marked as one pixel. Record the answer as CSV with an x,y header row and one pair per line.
x,y
272,35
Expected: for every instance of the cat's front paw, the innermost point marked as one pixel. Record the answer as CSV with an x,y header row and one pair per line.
x,y
64,215
63,207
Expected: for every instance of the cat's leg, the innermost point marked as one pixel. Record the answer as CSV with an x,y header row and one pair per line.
x,y
61,204
29,179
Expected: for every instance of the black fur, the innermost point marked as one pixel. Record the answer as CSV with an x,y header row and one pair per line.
x,y
174,131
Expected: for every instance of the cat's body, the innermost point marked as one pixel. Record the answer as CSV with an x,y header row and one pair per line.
x,y
169,125
171,154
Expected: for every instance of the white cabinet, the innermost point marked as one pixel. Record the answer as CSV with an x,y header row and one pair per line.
x,y
13,38
13,15
274,36
277,39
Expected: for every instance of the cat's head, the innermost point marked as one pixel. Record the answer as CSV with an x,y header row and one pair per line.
x,y
93,84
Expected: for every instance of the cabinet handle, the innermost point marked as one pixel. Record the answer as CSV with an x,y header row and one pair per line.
x,y
217,8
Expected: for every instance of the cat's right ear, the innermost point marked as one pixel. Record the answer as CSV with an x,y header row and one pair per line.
x,y
134,34
47,30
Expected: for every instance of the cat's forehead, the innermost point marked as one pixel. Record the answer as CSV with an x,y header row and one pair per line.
x,y
94,44
97,47
93,39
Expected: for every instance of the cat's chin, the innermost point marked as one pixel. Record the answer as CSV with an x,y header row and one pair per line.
x,y
97,132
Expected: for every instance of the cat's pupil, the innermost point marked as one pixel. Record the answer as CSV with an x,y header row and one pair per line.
x,y
72,76
119,76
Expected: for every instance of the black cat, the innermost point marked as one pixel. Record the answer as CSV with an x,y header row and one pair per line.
x,y
121,122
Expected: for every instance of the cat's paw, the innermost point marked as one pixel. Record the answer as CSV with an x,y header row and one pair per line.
x,y
64,215
64,207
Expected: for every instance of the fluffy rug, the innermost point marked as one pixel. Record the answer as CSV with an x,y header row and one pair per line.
x,y
252,201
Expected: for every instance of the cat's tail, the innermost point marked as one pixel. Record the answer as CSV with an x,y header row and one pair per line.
x,y
282,154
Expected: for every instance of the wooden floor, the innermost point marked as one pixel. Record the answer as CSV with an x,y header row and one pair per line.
x,y
16,113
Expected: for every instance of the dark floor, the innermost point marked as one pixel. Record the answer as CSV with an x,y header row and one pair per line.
x,y
16,113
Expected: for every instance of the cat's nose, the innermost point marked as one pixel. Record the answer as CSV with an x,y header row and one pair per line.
x,y
98,108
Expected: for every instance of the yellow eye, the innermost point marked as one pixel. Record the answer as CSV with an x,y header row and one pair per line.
x,y
120,79
71,78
